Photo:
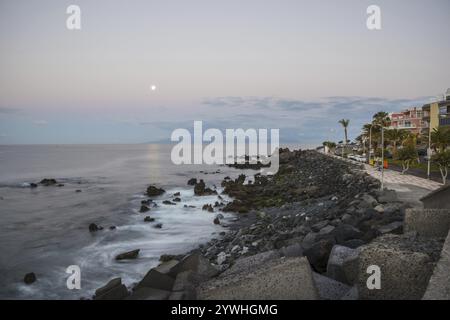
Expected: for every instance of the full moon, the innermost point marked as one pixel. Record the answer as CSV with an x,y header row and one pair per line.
x,y
153,87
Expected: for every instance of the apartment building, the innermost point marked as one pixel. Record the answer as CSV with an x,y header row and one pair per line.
x,y
410,119
437,114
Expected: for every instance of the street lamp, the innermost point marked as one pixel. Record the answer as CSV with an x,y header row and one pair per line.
x,y
382,157
370,141
429,152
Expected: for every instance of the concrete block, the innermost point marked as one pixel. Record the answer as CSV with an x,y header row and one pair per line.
x,y
343,264
428,222
329,289
280,279
404,274
439,285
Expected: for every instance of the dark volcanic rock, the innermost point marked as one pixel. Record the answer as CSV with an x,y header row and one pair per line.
x,y
201,190
153,191
149,219
192,182
29,278
208,207
48,182
113,290
318,254
128,255
93,227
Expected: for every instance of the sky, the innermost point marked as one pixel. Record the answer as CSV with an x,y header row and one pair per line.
x,y
298,66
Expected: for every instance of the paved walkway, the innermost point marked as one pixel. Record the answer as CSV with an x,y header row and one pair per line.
x,y
395,177
409,188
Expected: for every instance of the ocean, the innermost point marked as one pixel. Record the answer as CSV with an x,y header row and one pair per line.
x,y
45,229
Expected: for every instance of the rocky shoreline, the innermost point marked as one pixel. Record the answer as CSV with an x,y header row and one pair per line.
x,y
313,220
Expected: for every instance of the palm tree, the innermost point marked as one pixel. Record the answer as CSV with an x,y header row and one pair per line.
x,y
395,137
440,138
345,123
381,119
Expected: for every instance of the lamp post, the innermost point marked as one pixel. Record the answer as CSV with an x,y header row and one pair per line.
x,y
370,141
429,152
382,157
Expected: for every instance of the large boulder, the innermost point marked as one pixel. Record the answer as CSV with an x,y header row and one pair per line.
x,y
343,264
157,280
128,255
318,254
386,196
198,264
345,232
29,278
113,290
201,190
153,191
48,182
279,279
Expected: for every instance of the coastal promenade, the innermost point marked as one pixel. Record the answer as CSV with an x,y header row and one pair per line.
x,y
409,188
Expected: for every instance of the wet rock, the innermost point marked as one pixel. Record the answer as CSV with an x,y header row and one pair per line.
x,y
128,255
216,220
208,207
94,227
33,185
157,280
78,191
168,202
177,194
201,190
192,182
158,226
113,290
153,191
144,208
48,182
29,278
112,228
176,199
149,219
